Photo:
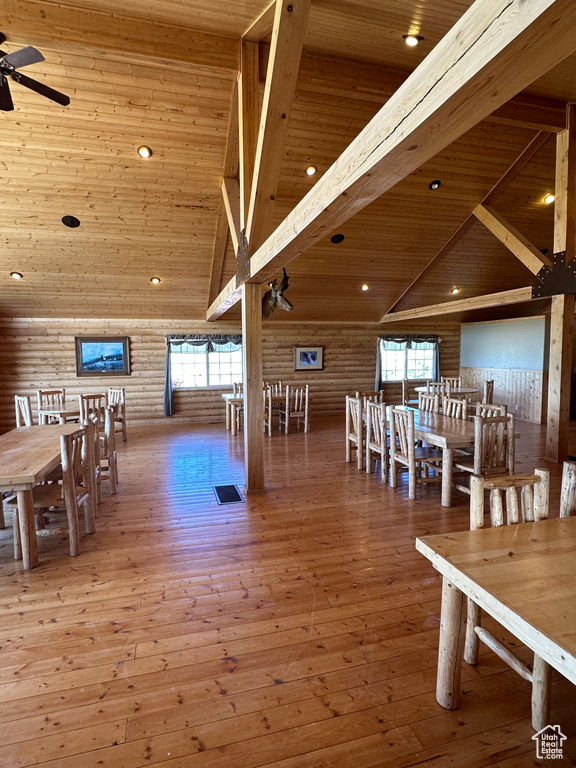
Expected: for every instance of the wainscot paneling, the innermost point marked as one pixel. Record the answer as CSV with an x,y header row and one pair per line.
x,y
524,392
39,353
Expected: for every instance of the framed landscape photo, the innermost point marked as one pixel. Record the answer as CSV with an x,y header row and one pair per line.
x,y
308,358
99,356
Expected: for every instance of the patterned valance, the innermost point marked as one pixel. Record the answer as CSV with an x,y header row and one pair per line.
x,y
212,342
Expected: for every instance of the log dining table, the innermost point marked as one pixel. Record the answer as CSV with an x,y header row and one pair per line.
x,y
523,576
447,433
234,401
27,455
61,412
454,391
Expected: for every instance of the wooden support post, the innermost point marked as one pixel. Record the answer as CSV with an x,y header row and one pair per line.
x,y
252,377
562,311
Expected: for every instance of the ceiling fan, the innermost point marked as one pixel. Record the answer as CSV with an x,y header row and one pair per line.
x,y
10,63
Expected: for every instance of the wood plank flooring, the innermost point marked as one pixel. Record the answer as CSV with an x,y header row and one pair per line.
x,y
298,629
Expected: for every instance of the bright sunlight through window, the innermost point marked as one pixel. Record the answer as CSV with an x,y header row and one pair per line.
x,y
194,366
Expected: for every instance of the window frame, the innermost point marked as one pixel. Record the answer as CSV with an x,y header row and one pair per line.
x,y
407,341
205,355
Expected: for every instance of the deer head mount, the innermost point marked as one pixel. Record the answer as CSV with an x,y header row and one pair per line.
x,y
275,298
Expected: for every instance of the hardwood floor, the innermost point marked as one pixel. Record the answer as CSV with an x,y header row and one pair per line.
x,y
298,629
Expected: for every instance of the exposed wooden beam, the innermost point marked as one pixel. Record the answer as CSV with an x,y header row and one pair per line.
x,y
514,240
262,26
40,23
248,111
218,254
231,200
518,165
521,161
510,42
376,83
230,171
226,299
562,307
515,296
290,24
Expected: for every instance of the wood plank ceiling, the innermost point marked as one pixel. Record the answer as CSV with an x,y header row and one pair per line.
x,y
141,218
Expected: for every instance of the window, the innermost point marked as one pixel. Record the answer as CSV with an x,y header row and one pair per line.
x,y
206,365
408,357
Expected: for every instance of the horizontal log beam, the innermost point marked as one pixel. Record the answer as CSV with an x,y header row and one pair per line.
x,y
43,24
515,296
505,41
228,297
377,83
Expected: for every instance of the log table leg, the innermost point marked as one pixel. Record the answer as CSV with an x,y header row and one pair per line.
x,y
541,681
27,529
452,635
447,459
228,409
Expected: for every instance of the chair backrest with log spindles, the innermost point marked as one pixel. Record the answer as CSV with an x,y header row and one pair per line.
x,y
506,506
23,411
440,388
488,391
455,407
489,409
428,402
454,381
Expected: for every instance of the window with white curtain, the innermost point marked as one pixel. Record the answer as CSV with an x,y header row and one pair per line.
x,y
206,365
408,357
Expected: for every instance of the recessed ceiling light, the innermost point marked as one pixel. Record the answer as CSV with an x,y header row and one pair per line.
x,y
365,287
16,275
70,221
310,170
434,184
144,151
455,290
155,280
549,199
339,238
412,40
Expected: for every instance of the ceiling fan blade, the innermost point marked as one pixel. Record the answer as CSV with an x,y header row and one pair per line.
x,y
6,103
40,88
24,57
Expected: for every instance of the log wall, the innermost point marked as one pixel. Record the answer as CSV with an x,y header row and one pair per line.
x,y
40,353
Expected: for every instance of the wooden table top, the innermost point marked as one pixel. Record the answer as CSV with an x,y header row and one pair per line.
x,y
230,397
442,431
523,576
453,390
66,409
27,454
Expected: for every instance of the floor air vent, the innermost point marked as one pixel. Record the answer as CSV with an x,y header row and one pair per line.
x,y
227,494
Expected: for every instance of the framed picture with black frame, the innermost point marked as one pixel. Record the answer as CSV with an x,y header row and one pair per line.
x,y
308,358
102,355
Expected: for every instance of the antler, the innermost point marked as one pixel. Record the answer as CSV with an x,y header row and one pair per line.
x,y
284,283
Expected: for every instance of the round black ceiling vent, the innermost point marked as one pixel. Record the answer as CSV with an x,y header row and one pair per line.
x,y
337,238
70,221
